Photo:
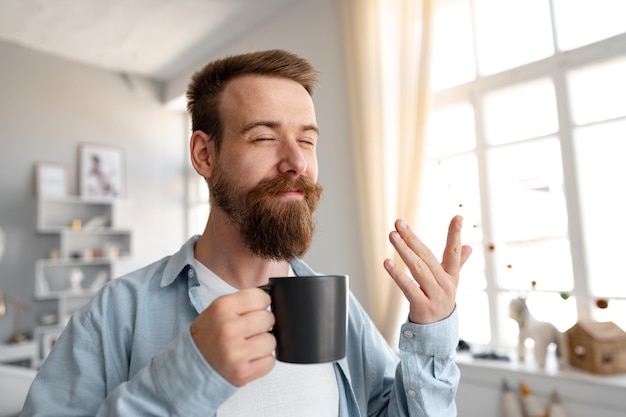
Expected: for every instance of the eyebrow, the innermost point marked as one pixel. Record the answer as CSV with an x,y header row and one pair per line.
x,y
276,125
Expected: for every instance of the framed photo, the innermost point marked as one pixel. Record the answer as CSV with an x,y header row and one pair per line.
x,y
51,180
102,173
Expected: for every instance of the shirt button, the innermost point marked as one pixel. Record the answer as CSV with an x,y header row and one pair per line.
x,y
411,393
190,273
408,334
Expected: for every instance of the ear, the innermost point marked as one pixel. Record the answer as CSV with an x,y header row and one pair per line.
x,y
202,150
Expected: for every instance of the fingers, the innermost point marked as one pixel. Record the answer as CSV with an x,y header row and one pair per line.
x,y
407,284
430,287
451,260
233,335
419,252
453,264
417,257
466,251
247,300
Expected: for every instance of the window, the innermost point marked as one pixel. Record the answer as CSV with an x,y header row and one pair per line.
x,y
197,203
527,140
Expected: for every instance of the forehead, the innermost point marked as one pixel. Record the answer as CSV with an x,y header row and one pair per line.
x,y
263,97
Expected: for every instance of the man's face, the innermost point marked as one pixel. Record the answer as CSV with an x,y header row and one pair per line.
x,y
265,174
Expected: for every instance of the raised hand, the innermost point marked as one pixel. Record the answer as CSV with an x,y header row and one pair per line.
x,y
233,335
431,286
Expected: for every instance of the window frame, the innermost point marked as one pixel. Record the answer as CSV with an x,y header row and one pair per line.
x,y
555,68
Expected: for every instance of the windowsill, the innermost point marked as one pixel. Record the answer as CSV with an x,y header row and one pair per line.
x,y
581,392
551,371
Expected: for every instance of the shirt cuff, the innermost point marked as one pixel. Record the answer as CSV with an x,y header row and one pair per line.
x,y
433,339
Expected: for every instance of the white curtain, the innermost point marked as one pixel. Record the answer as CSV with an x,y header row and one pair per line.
x,y
387,44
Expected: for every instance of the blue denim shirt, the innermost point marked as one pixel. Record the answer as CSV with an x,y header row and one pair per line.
x,y
129,352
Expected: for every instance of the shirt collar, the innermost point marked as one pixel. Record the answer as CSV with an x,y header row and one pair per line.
x,y
179,262
184,259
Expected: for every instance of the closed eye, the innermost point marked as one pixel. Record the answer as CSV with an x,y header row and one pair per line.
x,y
307,142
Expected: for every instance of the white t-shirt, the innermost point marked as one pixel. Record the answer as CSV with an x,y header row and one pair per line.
x,y
288,389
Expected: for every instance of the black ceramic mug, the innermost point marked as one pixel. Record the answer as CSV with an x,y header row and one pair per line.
x,y
311,317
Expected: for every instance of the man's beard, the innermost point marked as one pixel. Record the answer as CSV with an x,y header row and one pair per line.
x,y
270,229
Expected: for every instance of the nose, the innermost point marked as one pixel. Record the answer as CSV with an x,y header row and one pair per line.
x,y
292,159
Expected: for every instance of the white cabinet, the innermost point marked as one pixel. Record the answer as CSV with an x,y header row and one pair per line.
x,y
88,245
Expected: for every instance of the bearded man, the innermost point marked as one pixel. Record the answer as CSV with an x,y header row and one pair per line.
x,y
188,335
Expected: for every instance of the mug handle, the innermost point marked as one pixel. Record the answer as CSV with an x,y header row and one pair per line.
x,y
266,288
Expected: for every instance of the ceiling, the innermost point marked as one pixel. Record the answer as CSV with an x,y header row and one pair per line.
x,y
152,38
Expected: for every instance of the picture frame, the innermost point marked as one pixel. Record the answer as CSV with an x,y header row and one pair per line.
x,y
102,171
52,180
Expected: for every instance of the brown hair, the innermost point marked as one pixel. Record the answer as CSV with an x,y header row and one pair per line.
x,y
206,86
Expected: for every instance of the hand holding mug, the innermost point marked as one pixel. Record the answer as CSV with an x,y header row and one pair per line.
x,y
233,336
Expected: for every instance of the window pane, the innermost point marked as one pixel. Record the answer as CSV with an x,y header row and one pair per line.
x,y
526,189
452,51
600,155
473,272
520,112
450,130
580,22
551,307
197,189
598,92
547,262
198,215
615,312
508,328
449,187
510,33
473,313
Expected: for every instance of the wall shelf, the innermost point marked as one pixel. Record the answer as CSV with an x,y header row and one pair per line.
x,y
53,278
56,215
89,245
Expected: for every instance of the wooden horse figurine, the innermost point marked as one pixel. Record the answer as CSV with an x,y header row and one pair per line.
x,y
541,332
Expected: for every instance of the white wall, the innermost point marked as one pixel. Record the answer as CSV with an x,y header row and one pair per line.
x,y
49,105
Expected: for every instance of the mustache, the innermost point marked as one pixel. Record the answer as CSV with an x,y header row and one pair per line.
x,y
283,184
